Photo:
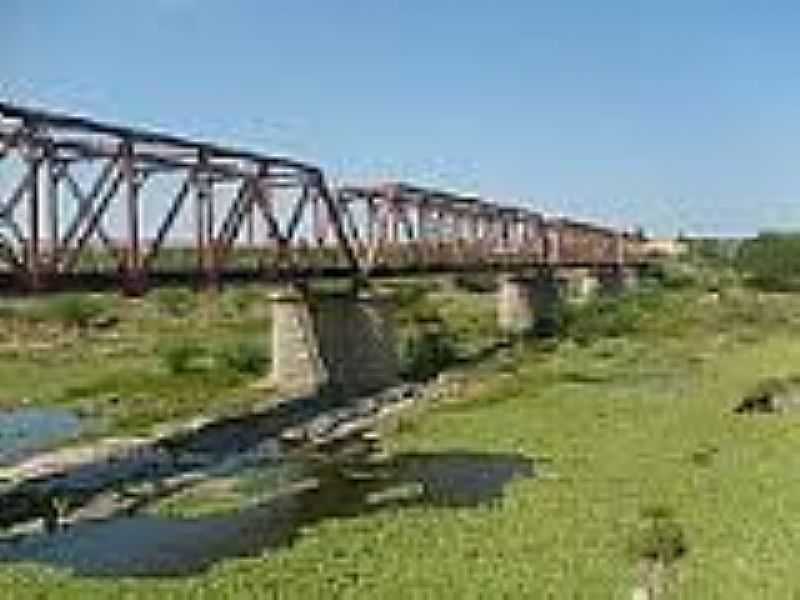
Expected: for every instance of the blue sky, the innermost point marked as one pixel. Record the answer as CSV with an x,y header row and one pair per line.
x,y
680,115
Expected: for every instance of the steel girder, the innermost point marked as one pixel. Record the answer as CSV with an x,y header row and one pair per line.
x,y
69,173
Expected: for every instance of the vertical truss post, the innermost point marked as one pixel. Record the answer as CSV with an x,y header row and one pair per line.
x,y
132,269
251,222
371,217
33,258
201,196
53,180
316,217
211,264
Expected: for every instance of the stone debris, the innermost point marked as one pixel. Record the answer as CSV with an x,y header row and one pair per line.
x,y
774,395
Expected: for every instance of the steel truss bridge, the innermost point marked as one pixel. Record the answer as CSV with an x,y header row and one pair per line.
x,y
89,205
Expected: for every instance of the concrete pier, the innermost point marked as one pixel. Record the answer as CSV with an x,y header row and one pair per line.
x,y
529,304
580,285
339,344
515,305
617,280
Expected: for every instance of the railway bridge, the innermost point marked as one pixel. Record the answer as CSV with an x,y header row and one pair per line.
x,y
88,205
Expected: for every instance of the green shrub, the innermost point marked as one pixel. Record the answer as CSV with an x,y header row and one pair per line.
x,y
659,537
175,302
605,317
240,300
674,274
426,349
73,310
410,296
8,312
180,357
245,357
476,282
771,262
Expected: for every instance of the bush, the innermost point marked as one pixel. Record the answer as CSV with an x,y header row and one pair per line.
x,y
476,283
426,349
676,275
175,302
771,262
74,310
410,296
659,537
244,357
179,357
240,300
8,312
605,317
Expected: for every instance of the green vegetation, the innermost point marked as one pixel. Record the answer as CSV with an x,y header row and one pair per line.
x,y
74,310
659,537
438,329
629,420
175,302
246,357
134,362
771,262
426,350
181,357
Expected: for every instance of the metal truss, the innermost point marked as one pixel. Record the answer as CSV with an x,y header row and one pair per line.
x,y
68,174
39,247
400,226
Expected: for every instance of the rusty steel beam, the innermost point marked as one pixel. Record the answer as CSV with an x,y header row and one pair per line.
x,y
166,224
67,122
390,227
86,201
231,225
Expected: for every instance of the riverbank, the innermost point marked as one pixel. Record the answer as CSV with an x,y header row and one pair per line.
x,y
639,459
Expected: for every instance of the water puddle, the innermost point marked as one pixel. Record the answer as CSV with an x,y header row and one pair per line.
x,y
156,544
27,430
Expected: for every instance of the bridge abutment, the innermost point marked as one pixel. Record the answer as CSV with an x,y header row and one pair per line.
x,y
339,344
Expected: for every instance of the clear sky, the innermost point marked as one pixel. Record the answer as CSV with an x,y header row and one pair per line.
x,y
678,115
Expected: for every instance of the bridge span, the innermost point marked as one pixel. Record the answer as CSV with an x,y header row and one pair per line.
x,y
87,205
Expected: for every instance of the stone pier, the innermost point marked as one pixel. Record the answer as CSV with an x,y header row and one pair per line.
x,y
617,280
529,304
580,285
515,305
339,344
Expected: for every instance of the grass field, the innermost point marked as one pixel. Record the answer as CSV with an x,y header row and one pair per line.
x,y
112,357
629,421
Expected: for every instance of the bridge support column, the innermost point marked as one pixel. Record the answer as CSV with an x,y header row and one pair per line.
x,y
617,280
339,345
529,304
515,305
581,285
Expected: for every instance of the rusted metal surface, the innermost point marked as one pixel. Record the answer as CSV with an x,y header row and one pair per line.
x,y
85,204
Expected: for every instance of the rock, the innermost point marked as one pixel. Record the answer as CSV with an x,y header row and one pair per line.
x,y
293,435
370,436
640,593
104,322
774,395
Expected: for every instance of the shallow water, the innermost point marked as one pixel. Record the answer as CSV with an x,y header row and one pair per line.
x,y
27,430
154,545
